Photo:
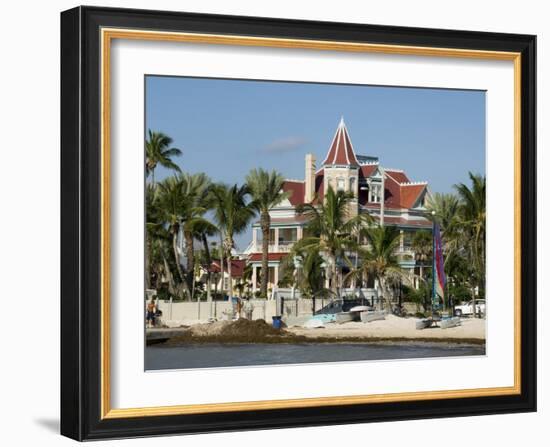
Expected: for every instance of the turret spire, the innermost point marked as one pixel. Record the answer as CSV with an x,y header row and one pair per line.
x,y
341,150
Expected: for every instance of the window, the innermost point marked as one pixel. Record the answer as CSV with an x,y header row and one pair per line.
x,y
422,201
375,193
288,236
352,184
271,236
341,184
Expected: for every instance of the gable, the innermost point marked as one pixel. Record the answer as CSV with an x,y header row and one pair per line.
x,y
296,190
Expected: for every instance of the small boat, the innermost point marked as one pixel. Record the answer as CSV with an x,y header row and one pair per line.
x,y
446,323
373,315
423,324
345,317
360,309
325,318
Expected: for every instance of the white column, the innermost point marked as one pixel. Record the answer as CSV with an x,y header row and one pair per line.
x,y
275,275
401,240
276,242
300,233
254,277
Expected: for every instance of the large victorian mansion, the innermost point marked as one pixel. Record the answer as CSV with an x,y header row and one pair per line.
x,y
386,194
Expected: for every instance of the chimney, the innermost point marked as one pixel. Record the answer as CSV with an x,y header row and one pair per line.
x,y
309,178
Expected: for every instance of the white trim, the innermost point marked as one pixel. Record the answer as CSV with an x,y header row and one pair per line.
x,y
294,180
413,183
330,147
345,143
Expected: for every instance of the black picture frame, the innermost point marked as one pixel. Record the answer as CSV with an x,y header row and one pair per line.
x,y
81,224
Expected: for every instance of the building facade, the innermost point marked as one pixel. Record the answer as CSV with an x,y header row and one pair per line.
x,y
388,195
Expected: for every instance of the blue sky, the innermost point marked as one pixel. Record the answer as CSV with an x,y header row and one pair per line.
x,y
227,127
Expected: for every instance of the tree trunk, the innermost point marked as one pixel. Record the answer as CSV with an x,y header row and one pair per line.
x,y
265,224
176,256
208,263
222,272
177,259
148,251
190,274
171,285
385,293
229,246
334,285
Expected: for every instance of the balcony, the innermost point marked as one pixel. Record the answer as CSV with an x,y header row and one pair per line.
x,y
282,247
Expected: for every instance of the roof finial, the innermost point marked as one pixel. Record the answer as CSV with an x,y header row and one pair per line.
x,y
342,124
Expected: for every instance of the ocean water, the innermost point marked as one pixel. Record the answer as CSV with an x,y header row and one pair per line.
x,y
159,357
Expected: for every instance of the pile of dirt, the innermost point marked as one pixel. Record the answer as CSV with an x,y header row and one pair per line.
x,y
208,329
239,331
250,329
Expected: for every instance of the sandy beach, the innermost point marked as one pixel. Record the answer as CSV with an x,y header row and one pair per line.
x,y
395,327
391,329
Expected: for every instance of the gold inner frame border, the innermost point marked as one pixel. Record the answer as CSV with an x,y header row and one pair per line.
x,y
107,35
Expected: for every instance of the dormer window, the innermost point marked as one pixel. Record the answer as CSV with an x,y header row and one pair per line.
x,y
375,193
422,201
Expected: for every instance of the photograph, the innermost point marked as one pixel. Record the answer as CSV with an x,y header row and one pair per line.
x,y
301,222
272,222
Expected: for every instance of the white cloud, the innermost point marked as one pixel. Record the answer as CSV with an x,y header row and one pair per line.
x,y
285,144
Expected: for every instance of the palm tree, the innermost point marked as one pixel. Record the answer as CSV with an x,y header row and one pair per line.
x,y
182,212
232,214
472,220
445,209
266,191
196,189
159,152
202,232
380,260
331,230
311,278
157,240
422,246
150,221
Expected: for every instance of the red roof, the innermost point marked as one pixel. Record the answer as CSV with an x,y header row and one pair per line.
x,y
392,193
296,190
237,267
341,150
257,257
399,192
368,170
399,176
410,194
